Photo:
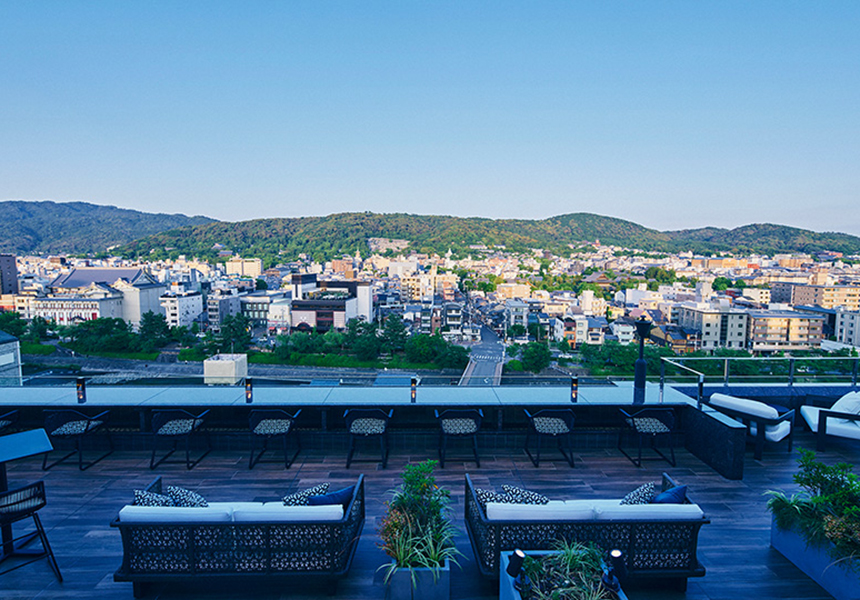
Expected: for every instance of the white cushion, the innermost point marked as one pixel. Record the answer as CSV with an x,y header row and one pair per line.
x,y
837,427
773,433
601,504
173,514
753,408
554,510
649,512
849,403
276,512
231,506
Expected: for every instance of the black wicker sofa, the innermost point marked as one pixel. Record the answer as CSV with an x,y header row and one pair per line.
x,y
663,545
243,540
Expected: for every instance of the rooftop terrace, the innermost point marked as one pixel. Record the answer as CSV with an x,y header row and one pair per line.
x,y
734,547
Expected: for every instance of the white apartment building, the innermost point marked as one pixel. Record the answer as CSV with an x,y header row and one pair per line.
x,y
847,328
720,327
516,313
573,328
181,310
625,332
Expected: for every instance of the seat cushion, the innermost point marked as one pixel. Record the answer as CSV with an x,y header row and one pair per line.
x,y
550,426
269,427
173,514
183,497
849,403
301,498
179,426
648,425
641,495
837,427
275,512
649,512
554,510
367,426
75,427
773,433
519,495
459,426
754,408
342,497
146,498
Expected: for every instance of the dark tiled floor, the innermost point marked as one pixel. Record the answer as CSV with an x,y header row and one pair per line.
x,y
734,547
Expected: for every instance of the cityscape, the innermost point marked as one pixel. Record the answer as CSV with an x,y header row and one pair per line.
x,y
429,301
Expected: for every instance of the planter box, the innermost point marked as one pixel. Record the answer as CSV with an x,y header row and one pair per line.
x,y
507,591
840,581
400,584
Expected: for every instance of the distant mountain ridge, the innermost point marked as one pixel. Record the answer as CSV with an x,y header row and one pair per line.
x,y
79,227
281,239
45,227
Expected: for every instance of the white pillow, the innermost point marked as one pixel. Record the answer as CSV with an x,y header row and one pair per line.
x,y
849,403
753,408
554,510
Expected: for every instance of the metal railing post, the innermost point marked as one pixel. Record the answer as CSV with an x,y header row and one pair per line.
x,y
726,372
790,372
854,372
701,391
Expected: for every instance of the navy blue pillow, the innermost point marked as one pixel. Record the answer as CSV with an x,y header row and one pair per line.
x,y
676,495
339,497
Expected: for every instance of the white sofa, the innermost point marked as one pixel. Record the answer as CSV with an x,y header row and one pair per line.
x,y
763,422
249,540
842,419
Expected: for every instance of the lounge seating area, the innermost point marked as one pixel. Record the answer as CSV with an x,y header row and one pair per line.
x,y
828,419
731,540
765,423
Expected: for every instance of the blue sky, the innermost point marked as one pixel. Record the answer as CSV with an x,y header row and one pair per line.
x,y
669,114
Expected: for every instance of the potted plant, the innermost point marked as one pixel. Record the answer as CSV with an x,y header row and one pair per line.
x,y
572,571
819,529
418,535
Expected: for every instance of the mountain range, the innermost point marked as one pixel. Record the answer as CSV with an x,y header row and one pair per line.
x,y
80,228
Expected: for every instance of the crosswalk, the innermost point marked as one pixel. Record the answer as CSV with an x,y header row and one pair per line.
x,y
481,356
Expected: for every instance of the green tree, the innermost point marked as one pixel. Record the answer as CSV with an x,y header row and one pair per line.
x,y
261,285
235,333
37,330
154,332
536,357
393,334
721,284
13,324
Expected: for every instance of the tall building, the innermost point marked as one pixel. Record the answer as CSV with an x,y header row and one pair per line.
x,y
827,296
8,274
772,331
718,327
182,310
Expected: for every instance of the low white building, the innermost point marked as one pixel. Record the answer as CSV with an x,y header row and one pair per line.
x,y
625,332
847,328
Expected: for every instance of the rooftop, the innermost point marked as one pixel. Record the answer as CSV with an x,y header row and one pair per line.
x,y
734,548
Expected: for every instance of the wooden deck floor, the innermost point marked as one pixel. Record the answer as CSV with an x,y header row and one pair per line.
x,y
734,547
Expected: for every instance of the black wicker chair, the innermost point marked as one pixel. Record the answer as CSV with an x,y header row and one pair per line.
x,y
8,420
73,426
268,425
17,505
176,425
366,423
552,423
459,423
653,425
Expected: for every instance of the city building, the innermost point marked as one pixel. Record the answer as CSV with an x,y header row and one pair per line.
x,y
10,360
182,309
848,327
222,304
8,274
245,267
718,327
779,331
827,296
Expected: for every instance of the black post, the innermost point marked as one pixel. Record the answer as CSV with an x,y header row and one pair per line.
x,y
574,389
249,390
413,390
643,328
81,385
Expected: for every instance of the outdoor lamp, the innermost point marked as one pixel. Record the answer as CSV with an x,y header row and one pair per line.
x,y
574,389
619,567
249,390
81,385
413,390
515,570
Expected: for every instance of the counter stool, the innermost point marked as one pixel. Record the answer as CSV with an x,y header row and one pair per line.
x,y
366,423
17,505
175,425
653,425
75,426
268,425
459,423
555,424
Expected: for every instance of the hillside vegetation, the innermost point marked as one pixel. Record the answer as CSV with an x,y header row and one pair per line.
x,y
276,240
78,227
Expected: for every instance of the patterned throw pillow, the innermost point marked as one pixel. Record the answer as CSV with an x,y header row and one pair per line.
x,y
187,498
301,498
521,496
144,498
641,495
485,496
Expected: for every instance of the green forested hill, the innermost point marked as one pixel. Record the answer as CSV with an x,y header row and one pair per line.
x,y
77,227
325,237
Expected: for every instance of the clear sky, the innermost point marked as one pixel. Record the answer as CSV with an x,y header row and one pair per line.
x,y
669,114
